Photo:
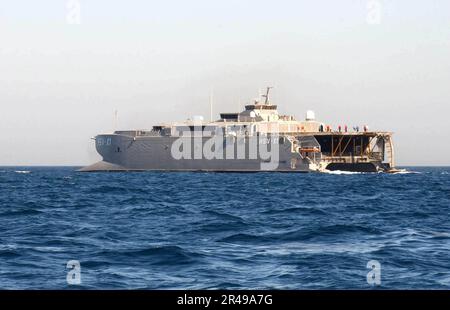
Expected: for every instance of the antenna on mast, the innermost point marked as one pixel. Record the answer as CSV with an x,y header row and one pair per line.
x,y
116,112
211,104
266,102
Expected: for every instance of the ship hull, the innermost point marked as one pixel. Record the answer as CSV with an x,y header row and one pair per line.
x,y
125,153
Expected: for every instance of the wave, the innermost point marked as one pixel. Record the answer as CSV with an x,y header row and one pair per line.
x,y
331,231
218,227
47,249
223,215
247,238
22,171
9,253
108,189
328,231
440,235
295,210
160,255
21,212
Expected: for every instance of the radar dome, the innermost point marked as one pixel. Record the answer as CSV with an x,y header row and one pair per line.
x,y
310,115
197,118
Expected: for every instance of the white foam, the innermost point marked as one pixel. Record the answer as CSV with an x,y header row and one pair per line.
x,y
404,171
22,171
341,172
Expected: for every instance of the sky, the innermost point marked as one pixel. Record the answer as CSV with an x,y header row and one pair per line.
x,y
67,66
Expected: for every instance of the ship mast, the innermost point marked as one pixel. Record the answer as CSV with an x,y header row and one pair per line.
x,y
211,98
266,102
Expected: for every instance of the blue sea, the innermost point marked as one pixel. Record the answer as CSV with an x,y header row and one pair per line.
x,y
224,230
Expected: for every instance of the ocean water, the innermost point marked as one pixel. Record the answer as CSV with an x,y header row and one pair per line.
x,y
219,230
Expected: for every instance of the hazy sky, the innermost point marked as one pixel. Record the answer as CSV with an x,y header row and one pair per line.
x,y
156,61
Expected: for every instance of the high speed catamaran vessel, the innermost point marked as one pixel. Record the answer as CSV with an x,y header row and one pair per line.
x,y
255,139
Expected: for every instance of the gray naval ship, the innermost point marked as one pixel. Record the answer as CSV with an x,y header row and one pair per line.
x,y
256,139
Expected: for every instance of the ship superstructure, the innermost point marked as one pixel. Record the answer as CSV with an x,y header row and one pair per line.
x,y
255,139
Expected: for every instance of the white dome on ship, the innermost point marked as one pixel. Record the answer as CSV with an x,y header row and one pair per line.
x,y
197,118
310,115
